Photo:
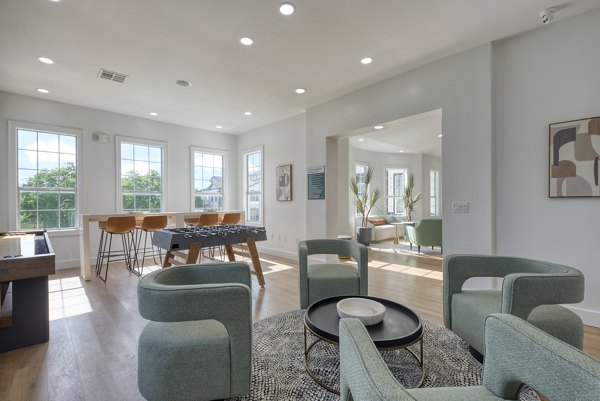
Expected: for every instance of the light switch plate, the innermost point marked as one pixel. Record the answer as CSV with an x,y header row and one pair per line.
x,y
460,207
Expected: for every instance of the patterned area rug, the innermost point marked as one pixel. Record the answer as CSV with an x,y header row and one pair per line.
x,y
278,364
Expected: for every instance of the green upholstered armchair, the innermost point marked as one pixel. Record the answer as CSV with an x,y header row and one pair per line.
x,y
428,232
517,353
531,290
197,345
330,279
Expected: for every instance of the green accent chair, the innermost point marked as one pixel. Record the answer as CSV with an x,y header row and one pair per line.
x,y
517,353
197,345
331,279
531,290
428,232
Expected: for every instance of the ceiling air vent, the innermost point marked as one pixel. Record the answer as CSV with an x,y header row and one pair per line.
x,y
111,75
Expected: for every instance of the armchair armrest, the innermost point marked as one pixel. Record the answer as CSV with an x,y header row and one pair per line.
x,y
523,292
197,292
517,352
363,374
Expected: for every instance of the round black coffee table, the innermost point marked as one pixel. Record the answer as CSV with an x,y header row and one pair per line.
x,y
400,328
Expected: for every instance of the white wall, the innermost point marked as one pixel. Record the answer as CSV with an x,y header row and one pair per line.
x,y
461,86
546,76
99,175
283,143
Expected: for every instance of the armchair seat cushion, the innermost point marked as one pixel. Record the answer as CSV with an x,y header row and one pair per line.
x,y
470,308
332,280
196,355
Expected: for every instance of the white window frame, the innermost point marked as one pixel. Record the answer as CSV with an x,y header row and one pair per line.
x,y
245,154
436,196
163,181
13,170
225,155
356,164
387,195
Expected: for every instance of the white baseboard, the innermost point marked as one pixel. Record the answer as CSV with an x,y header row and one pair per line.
x,y
589,317
66,264
277,252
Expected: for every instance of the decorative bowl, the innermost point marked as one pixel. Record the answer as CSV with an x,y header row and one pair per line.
x,y
369,312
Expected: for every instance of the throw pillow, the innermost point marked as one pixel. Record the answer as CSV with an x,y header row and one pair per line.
x,y
377,222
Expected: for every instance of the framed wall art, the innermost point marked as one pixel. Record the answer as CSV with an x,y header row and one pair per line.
x,y
284,182
574,150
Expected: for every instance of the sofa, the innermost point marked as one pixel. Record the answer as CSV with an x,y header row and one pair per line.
x,y
382,227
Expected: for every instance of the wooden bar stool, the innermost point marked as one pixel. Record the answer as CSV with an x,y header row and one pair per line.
x,y
102,227
231,218
208,219
123,226
150,224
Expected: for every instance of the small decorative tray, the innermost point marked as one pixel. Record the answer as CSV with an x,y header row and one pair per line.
x,y
369,312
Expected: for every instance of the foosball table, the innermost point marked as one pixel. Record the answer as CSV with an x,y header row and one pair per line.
x,y
176,240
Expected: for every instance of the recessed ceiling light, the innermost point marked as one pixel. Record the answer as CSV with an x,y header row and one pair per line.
x,y
366,60
401,151
42,90
287,8
361,139
46,60
218,126
183,82
246,41
378,127
247,113
153,114
55,1
300,91
440,135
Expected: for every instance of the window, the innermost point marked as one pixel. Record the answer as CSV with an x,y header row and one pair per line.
x,y
360,172
253,185
47,177
434,190
207,180
141,176
395,184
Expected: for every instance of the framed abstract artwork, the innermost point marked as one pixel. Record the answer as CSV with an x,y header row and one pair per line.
x,y
574,150
283,188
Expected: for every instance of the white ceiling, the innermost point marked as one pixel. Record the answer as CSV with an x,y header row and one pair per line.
x,y
158,42
414,134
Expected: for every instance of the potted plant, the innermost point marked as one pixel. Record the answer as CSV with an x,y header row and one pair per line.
x,y
364,203
409,198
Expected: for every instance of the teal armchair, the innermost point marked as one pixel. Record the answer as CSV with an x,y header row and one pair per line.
x,y
428,232
197,345
531,290
330,279
517,353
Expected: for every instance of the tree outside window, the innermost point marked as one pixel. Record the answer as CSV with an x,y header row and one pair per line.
x,y
47,180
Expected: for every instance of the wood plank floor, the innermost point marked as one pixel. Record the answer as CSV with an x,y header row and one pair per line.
x,y
92,353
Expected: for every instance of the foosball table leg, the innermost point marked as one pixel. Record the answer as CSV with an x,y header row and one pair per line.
x,y
255,261
230,254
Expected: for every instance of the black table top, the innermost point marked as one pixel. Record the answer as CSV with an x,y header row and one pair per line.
x,y
400,325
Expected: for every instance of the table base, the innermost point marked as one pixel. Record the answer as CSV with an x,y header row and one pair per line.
x,y
308,348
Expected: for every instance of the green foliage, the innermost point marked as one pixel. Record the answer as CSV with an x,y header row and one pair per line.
x,y
52,208
409,198
364,202
150,182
